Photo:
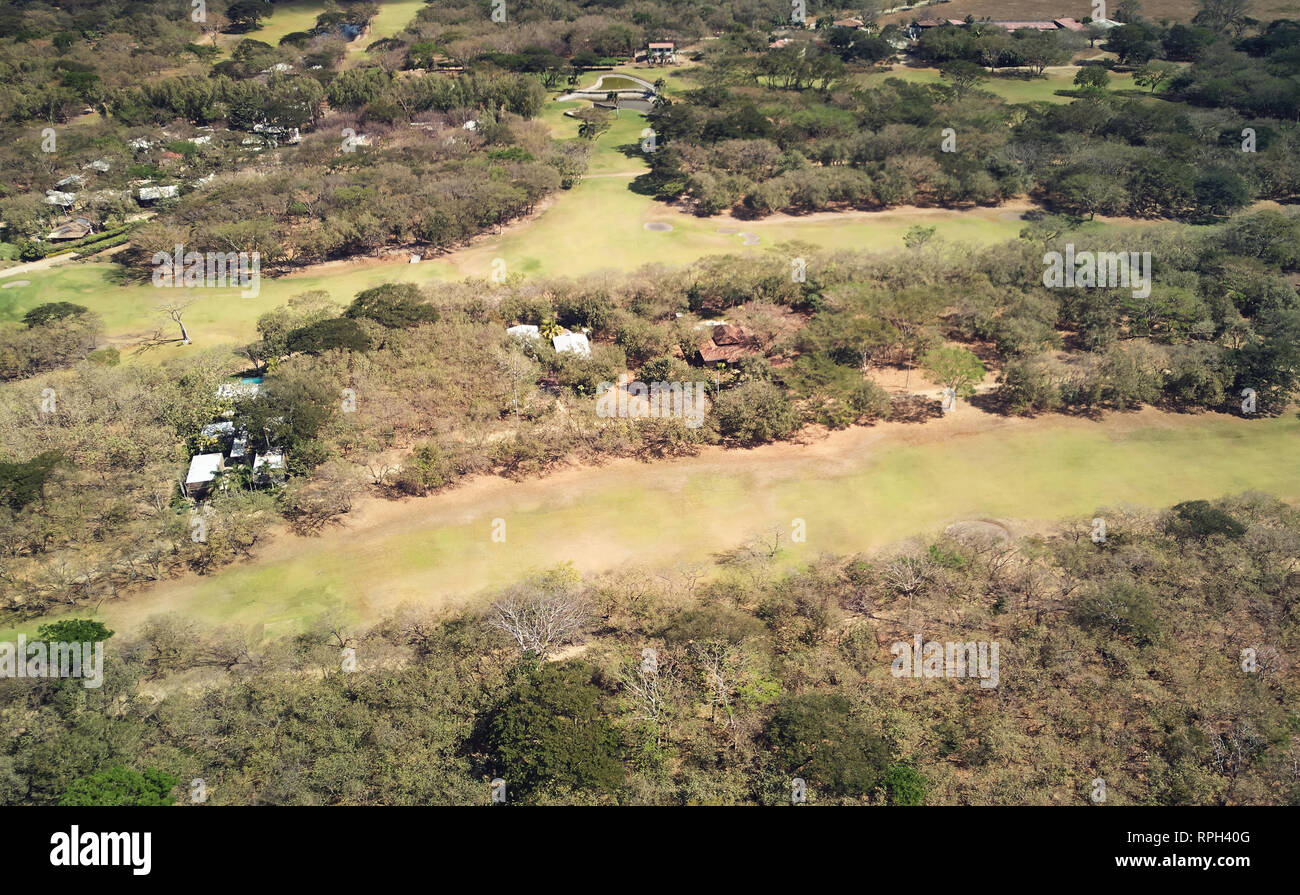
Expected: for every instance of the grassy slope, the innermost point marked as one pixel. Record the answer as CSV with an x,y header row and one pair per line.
x,y
300,15
1022,10
393,16
597,225
866,492
285,18
1013,90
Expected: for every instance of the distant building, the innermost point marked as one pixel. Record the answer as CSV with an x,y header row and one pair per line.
x,y
77,228
55,197
203,469
573,343
523,331
661,52
154,193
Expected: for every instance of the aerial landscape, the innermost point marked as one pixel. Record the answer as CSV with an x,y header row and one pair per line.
x,y
649,402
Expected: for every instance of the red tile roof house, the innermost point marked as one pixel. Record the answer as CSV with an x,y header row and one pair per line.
x,y
661,51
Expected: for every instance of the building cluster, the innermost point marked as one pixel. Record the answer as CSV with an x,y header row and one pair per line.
x,y
226,448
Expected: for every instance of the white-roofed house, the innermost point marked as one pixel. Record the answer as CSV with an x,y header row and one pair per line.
x,y
222,431
573,343
154,193
203,469
268,468
523,331
236,390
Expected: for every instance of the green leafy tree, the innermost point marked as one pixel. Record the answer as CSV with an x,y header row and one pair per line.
x,y
917,236
51,311
23,482
1201,520
339,332
74,630
1221,190
550,732
963,77
394,305
754,412
1153,74
247,15
1092,77
121,786
954,368
905,785
817,737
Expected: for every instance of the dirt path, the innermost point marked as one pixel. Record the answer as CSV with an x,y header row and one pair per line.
x,y
42,264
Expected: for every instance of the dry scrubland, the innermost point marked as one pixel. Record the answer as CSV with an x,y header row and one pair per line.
x,y
1029,10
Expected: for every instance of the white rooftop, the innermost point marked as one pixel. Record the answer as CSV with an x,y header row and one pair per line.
x,y
575,343
271,460
203,468
218,430
237,389
149,193
523,331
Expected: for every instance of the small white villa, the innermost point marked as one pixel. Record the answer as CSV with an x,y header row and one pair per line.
x,y
574,343
203,469
523,331
268,468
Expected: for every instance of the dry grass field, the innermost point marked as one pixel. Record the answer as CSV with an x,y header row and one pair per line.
x,y
1021,10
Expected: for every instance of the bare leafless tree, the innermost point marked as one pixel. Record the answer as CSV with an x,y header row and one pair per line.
x,y
176,312
539,620
719,663
906,574
518,368
651,688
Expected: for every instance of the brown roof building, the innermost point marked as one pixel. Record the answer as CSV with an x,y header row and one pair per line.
x,y
729,344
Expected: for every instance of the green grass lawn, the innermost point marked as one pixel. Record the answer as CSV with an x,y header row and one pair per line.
x,y
393,16
300,15
598,225
285,18
1013,90
685,511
